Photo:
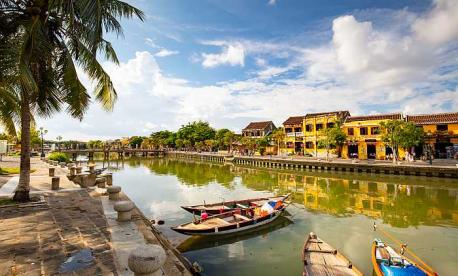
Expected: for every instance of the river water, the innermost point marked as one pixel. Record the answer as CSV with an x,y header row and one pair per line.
x,y
340,207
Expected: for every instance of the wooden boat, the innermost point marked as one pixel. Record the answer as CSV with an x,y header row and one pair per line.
x,y
225,206
387,261
230,222
322,259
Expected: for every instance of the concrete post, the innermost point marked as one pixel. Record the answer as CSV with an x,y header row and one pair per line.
x,y
72,171
55,183
79,170
113,192
52,171
147,260
100,182
109,178
124,209
91,168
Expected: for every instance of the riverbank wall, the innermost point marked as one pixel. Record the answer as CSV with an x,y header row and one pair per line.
x,y
321,165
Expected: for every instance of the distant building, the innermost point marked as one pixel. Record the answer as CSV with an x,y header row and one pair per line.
x,y
315,124
258,129
294,135
364,140
441,133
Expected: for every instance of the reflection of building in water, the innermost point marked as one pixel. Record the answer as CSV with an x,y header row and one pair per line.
x,y
397,204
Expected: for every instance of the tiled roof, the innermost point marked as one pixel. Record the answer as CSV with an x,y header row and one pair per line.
x,y
439,118
258,125
392,116
295,120
342,113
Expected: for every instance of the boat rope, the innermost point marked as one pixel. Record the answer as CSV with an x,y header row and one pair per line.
x,y
411,253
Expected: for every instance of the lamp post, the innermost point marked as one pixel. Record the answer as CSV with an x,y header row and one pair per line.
x,y
42,132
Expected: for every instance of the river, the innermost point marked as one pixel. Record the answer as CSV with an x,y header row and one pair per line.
x,y
340,207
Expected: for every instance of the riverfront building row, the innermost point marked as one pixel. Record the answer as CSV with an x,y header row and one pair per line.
x,y
364,139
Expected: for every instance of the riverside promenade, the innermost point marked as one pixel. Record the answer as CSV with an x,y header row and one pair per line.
x,y
42,237
440,168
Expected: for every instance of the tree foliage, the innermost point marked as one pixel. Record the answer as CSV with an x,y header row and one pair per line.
x,y
398,134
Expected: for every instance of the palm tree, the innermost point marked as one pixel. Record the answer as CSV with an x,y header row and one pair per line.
x,y
42,42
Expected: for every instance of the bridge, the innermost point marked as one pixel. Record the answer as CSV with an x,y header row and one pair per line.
x,y
107,151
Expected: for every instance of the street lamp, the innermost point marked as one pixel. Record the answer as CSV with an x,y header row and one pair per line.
x,y
42,132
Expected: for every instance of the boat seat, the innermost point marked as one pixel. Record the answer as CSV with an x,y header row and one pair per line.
x,y
241,217
241,206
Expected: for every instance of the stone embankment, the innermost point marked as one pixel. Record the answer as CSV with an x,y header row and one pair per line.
x,y
75,228
374,167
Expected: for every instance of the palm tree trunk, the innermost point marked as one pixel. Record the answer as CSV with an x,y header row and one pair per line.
x,y
22,191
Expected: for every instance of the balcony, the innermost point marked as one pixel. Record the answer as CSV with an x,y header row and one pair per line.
x,y
294,134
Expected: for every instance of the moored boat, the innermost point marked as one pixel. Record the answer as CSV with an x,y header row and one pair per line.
x,y
387,261
225,206
234,221
320,258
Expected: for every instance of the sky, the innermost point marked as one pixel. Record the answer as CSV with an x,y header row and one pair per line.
x,y
232,62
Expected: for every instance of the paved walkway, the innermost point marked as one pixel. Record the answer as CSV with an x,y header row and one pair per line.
x,y
37,238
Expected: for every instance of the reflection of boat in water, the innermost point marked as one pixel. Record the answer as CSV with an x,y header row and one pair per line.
x,y
201,242
321,259
216,208
234,221
387,261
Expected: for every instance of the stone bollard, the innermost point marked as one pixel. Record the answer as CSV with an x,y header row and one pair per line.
x,y
147,260
91,168
62,164
52,172
70,165
124,209
72,171
55,183
113,192
100,182
109,178
79,170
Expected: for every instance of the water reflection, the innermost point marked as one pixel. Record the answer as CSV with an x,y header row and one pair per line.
x,y
201,242
341,207
396,202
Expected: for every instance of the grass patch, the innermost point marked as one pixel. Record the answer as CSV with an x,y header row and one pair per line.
x,y
6,201
13,170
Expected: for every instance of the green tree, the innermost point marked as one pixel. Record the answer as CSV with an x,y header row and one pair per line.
x,y
179,144
135,141
400,134
228,139
334,137
197,131
41,45
278,136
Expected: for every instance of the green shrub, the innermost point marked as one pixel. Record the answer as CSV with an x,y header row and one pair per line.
x,y
59,157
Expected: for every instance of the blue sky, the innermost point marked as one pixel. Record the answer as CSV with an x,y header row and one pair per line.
x,y
231,62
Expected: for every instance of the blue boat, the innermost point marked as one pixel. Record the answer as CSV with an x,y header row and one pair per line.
x,y
387,262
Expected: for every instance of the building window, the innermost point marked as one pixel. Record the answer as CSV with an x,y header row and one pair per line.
x,y
363,131
351,131
442,127
297,129
330,125
309,145
375,130
290,145
319,127
309,128
288,130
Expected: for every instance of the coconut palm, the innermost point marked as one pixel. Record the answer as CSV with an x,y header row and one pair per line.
x,y
42,43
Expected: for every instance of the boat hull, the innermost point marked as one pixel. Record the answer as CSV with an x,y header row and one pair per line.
x,y
231,229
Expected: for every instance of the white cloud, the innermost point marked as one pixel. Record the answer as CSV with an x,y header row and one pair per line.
x,y
440,25
272,2
164,53
232,54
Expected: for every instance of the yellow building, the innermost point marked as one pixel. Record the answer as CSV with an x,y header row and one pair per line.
x,y
294,135
441,133
314,125
364,137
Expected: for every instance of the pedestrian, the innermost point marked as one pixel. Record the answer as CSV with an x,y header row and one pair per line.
x,y
403,248
375,226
